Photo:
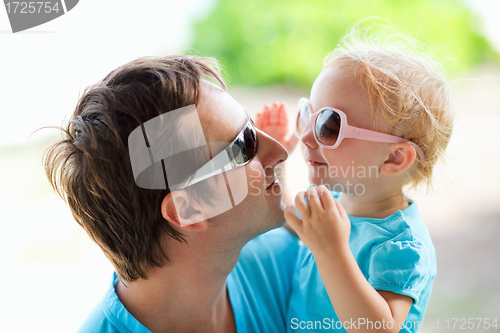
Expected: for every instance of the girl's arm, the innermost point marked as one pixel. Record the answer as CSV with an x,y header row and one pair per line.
x,y
325,230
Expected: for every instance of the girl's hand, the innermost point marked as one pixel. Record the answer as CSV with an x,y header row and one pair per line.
x,y
274,122
325,225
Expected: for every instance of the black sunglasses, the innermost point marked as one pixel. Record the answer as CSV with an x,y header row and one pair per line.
x,y
239,152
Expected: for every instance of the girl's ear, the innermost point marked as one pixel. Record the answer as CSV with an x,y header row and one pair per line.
x,y
179,209
401,158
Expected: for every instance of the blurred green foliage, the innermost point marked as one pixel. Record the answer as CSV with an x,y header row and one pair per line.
x,y
261,42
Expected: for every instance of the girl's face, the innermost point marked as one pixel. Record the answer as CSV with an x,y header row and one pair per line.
x,y
355,164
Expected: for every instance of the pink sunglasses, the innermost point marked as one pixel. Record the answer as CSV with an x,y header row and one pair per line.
x,y
330,127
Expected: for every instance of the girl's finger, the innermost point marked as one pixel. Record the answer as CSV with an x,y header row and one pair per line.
x,y
282,117
292,219
273,118
313,199
326,198
266,115
301,205
341,210
258,120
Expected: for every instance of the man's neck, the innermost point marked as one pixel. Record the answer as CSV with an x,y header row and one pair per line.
x,y
187,295
376,206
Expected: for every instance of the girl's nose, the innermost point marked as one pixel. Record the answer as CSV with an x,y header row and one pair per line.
x,y
307,138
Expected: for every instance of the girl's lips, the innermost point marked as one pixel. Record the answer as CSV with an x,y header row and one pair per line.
x,y
314,163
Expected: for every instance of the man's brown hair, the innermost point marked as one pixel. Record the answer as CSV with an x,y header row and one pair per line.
x,y
90,167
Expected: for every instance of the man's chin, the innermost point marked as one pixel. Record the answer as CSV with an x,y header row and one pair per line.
x,y
282,206
281,219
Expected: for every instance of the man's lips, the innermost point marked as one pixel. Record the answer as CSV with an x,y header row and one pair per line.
x,y
273,182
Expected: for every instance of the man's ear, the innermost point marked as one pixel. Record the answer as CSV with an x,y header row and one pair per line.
x,y
401,158
181,210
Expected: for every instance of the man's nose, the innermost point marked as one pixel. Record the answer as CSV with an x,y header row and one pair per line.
x,y
271,152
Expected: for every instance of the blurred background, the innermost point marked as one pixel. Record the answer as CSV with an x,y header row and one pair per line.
x,y
270,51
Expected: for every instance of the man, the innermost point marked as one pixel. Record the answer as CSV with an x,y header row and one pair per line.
x,y
175,263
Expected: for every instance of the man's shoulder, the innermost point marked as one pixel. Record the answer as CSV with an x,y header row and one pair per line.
x,y
259,285
111,316
274,244
280,235
97,322
271,256
268,261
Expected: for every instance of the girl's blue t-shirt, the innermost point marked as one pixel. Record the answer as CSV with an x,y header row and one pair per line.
x,y
394,253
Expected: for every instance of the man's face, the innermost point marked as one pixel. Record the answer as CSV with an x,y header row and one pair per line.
x,y
222,118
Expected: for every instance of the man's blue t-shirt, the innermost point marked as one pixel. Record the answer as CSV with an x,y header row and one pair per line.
x,y
394,253
258,287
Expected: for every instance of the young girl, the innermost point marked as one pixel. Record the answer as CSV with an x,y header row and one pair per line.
x,y
378,119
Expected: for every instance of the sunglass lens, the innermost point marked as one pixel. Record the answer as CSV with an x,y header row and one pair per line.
x,y
251,143
302,117
246,149
327,127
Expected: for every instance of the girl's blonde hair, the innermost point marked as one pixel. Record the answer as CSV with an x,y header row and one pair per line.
x,y
404,84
